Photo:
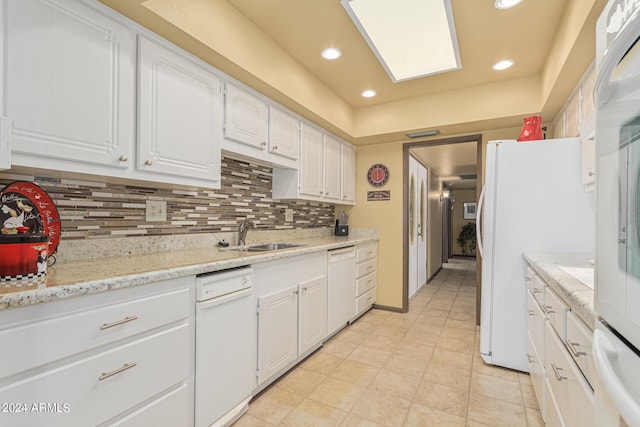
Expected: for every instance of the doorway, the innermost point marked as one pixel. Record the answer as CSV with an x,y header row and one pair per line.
x,y
417,252
437,156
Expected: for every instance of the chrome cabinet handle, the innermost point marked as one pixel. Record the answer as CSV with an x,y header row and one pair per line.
x,y
591,173
574,350
275,147
148,163
123,158
125,367
118,322
263,143
548,309
556,371
536,290
531,312
530,358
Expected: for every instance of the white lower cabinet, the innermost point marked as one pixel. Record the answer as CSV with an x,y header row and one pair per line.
x,y
366,277
560,359
292,307
312,322
101,358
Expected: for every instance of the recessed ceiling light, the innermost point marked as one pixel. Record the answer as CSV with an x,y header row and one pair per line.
x,y
368,93
503,65
331,53
506,4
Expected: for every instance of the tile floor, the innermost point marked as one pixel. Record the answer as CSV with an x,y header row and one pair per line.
x,y
420,368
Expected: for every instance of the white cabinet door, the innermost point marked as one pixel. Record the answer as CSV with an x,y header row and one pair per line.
x,y
179,115
246,118
332,168
311,168
284,134
277,332
348,194
312,323
67,85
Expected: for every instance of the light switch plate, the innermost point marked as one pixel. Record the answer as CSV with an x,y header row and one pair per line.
x,y
288,215
156,210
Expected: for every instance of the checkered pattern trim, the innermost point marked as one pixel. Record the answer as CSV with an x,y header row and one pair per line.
x,y
20,279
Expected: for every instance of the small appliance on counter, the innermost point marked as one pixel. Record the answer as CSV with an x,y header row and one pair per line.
x,y
29,234
342,228
23,258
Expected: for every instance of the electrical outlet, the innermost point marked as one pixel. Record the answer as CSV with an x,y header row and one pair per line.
x,y
288,215
156,210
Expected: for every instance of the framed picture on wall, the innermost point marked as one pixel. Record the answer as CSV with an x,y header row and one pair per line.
x,y
470,210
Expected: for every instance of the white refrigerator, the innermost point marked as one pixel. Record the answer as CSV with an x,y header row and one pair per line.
x,y
533,200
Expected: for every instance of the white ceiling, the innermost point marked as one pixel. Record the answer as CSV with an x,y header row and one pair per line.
x,y
485,35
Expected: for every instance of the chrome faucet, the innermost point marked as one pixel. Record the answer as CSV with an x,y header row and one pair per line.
x,y
243,228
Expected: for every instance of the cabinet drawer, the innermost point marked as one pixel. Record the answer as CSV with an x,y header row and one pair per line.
x,y
81,331
365,301
552,418
537,286
535,322
171,409
366,267
536,371
579,343
556,311
570,390
100,387
366,251
366,283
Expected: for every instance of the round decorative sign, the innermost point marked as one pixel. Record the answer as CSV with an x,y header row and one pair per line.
x,y
378,175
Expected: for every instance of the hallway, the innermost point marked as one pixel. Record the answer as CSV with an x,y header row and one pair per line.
x,y
420,368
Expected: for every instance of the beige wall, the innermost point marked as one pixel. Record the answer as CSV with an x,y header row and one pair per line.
x,y
457,215
434,226
385,216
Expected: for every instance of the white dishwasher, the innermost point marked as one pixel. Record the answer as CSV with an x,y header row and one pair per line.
x,y
225,346
341,288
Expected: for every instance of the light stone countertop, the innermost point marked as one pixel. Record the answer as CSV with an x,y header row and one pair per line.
x,y
89,276
575,293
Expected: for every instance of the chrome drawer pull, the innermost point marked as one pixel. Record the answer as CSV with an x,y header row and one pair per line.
x,y
118,322
573,349
531,358
125,367
536,290
531,312
556,371
548,309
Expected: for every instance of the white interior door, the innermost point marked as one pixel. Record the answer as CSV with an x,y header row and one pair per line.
x,y
413,227
421,242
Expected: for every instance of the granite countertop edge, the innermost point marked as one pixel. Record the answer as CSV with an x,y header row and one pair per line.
x,y
577,295
77,278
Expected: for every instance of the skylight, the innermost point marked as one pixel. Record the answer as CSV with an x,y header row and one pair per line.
x,y
411,38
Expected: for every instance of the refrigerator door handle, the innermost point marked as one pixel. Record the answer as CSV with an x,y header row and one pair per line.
x,y
606,357
479,221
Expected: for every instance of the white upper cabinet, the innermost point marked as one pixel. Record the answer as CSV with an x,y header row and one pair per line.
x,y
311,167
245,118
258,130
348,194
332,168
68,86
179,111
326,170
284,133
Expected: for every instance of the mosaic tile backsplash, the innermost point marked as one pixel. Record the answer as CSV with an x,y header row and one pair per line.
x,y
91,210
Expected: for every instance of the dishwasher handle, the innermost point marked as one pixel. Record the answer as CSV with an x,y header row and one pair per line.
x,y
224,299
342,254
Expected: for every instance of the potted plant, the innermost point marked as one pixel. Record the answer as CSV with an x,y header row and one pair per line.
x,y
467,239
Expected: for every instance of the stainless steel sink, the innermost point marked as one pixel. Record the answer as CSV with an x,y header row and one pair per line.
x,y
264,247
